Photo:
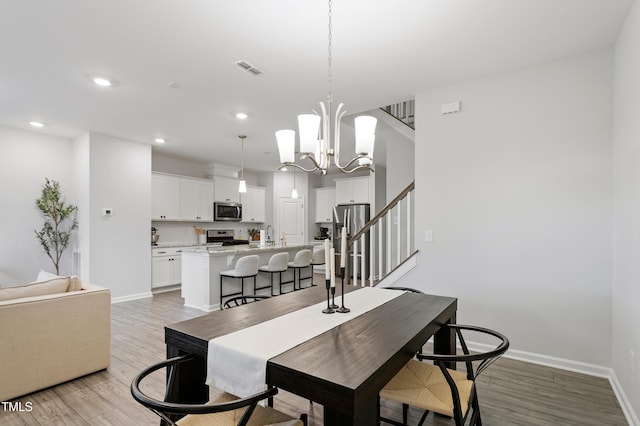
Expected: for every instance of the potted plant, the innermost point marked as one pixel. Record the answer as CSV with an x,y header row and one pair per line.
x,y
59,222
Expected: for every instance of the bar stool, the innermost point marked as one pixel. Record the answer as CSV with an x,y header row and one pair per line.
x,y
278,263
317,258
246,267
301,260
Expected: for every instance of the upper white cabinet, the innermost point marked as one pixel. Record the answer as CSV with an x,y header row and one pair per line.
x,y
325,201
181,198
352,190
165,197
254,204
226,189
196,200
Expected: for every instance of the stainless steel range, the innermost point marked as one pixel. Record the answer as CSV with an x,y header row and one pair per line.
x,y
223,237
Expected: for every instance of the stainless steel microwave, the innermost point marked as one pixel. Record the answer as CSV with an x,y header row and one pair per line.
x,y
227,212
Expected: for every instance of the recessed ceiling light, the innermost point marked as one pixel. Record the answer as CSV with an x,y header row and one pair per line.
x,y
160,140
101,81
241,116
36,124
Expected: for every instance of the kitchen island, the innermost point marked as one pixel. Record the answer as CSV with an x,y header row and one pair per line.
x,y
201,269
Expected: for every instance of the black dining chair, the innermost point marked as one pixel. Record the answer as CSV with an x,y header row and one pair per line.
x,y
243,300
225,409
434,387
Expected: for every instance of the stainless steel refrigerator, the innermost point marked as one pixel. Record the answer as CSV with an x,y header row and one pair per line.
x,y
353,217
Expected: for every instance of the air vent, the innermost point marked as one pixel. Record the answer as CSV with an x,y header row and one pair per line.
x,y
246,66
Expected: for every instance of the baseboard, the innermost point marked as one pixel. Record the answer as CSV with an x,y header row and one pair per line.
x,y
555,362
166,289
576,367
205,308
131,297
625,405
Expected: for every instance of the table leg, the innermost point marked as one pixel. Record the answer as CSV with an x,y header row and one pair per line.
x,y
188,385
444,341
367,416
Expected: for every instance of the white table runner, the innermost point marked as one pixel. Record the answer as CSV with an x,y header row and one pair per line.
x,y
237,362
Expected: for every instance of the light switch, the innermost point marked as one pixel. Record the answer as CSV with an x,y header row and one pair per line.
x,y
428,236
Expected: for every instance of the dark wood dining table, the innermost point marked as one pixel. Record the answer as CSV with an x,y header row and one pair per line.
x,y
343,369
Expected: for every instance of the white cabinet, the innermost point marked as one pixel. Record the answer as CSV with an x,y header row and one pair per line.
x,y
352,190
165,197
254,204
325,201
196,200
181,198
166,266
226,189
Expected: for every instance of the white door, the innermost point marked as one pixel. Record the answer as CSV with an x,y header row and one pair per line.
x,y
291,220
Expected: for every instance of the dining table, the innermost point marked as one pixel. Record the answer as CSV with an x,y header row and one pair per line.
x,y
343,368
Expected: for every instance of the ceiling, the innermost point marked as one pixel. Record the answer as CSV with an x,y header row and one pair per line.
x,y
173,61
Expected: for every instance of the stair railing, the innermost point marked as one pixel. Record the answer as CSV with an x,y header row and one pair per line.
x,y
391,241
403,111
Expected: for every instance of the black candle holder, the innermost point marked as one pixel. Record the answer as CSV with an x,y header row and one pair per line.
x,y
342,308
328,310
333,297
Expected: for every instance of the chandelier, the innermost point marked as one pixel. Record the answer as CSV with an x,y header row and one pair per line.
x,y
318,144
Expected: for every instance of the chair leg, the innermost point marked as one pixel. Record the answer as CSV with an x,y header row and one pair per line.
x,y
271,281
475,417
423,418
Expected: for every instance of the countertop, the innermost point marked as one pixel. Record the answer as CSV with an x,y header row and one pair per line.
x,y
166,245
251,248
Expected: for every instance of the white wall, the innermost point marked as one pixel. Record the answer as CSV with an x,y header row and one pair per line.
x,y
626,205
119,246
26,159
517,191
178,166
400,168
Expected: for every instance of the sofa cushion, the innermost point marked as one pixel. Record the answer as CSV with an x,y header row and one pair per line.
x,y
75,283
56,285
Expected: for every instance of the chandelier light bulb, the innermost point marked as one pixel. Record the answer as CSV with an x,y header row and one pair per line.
x,y
286,145
365,134
309,125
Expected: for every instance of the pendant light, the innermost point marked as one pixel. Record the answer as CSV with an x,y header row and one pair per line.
x,y
242,188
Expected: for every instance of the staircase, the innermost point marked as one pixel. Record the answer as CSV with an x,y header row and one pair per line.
x,y
403,111
391,249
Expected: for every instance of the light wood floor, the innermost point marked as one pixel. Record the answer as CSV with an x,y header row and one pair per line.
x,y
511,392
